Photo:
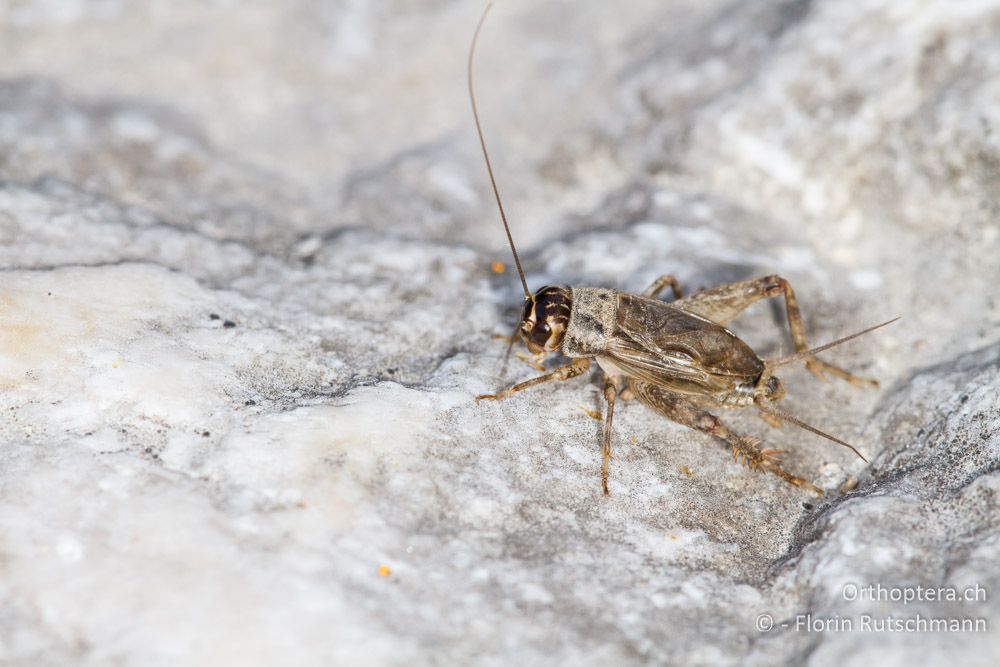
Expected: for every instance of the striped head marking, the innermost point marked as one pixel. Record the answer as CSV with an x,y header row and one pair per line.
x,y
545,318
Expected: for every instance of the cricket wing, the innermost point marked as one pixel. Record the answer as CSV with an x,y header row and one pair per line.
x,y
677,350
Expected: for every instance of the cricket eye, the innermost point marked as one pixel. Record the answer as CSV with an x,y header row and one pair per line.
x,y
537,334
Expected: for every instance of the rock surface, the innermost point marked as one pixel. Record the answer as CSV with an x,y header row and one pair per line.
x,y
247,301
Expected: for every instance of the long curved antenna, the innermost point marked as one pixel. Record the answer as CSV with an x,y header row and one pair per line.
x,y
486,155
774,363
774,410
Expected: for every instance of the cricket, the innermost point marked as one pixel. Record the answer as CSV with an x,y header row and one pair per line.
x,y
677,358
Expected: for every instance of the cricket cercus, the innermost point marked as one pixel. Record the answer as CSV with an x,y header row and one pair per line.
x,y
677,358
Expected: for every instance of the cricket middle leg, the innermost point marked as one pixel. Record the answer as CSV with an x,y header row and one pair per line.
x,y
724,303
660,284
610,394
746,449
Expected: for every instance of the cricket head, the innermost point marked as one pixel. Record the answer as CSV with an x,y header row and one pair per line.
x,y
545,318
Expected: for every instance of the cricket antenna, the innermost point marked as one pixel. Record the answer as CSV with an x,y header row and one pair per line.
x,y
486,155
769,408
775,363
774,410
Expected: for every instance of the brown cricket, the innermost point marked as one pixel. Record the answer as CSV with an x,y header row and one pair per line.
x,y
677,358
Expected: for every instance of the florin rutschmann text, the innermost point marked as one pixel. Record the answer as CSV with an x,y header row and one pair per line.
x,y
883,619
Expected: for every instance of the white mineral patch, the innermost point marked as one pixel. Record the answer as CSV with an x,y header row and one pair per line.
x,y
247,302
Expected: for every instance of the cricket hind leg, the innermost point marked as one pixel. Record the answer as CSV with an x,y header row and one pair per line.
x,y
746,449
724,303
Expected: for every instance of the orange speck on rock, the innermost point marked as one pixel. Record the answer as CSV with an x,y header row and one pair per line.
x,y
384,570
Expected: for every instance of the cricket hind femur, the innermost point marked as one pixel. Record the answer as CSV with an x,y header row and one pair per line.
x,y
545,318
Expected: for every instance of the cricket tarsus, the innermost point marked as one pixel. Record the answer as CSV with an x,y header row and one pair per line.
x,y
676,358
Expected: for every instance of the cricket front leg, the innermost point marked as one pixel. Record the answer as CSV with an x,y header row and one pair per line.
x,y
746,449
570,370
723,304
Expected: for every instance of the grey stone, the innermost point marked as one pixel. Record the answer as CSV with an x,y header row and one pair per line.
x,y
247,302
